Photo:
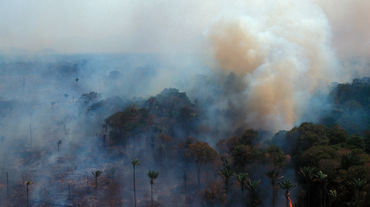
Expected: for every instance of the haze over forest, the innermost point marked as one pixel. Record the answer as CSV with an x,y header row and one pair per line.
x,y
185,103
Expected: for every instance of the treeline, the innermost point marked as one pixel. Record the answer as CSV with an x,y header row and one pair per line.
x,y
310,165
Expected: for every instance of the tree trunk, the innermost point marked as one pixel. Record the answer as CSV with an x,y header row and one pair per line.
x,y
198,174
134,188
151,193
288,201
96,182
275,189
28,204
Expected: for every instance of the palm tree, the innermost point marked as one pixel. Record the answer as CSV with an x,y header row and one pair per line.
x,y
288,187
96,174
277,158
308,175
152,175
242,178
226,174
59,143
358,184
28,183
134,163
252,186
274,176
322,178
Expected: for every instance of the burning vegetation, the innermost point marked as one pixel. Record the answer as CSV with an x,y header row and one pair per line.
x,y
189,103
155,152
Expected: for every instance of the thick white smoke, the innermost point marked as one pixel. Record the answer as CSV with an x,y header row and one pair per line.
x,y
283,48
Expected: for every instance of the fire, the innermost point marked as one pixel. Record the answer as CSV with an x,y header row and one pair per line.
x,y
290,202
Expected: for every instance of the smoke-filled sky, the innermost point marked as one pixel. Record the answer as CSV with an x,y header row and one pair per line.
x,y
283,50
153,25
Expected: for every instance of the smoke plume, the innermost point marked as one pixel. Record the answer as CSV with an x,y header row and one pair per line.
x,y
284,53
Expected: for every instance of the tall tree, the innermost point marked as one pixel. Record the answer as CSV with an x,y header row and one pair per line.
x,y
287,186
152,176
274,175
308,175
277,159
358,184
96,175
134,163
322,178
58,144
226,174
28,183
252,186
202,154
242,179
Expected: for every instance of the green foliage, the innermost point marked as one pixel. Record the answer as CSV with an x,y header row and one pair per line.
x,y
332,195
245,154
153,174
287,185
349,160
226,172
135,162
277,156
242,178
367,142
201,152
96,173
252,185
307,135
307,174
313,155
28,182
356,142
336,135
248,137
357,183
214,195
321,176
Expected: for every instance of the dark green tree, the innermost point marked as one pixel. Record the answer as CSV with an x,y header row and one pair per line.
x,y
277,159
202,154
308,175
287,186
226,174
358,184
322,178
252,186
242,179
152,176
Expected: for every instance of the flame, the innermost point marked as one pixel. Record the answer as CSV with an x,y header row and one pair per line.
x,y
290,202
